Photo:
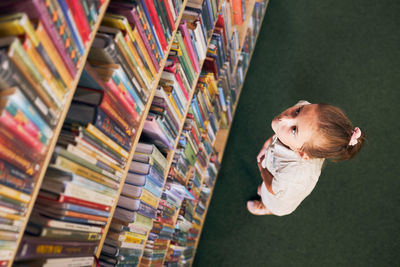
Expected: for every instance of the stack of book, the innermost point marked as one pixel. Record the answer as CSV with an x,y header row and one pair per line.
x,y
163,227
136,207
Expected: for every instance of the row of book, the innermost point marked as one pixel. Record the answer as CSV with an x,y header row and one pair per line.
x,y
41,43
136,207
170,104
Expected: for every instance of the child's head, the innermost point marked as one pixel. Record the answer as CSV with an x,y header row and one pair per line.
x,y
318,131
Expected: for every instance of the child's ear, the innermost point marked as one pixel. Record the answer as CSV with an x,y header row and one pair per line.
x,y
303,155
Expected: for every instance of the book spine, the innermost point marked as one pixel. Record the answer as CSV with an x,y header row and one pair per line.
x,y
72,26
98,156
123,97
112,130
13,177
54,55
85,163
11,76
149,8
80,19
106,140
18,100
26,66
57,89
8,122
42,248
72,190
14,194
150,34
84,172
149,198
67,235
147,210
107,107
188,43
52,21
142,33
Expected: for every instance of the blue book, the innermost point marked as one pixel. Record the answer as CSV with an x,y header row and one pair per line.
x,y
222,98
72,26
197,112
15,178
140,179
152,28
17,101
147,210
120,76
153,188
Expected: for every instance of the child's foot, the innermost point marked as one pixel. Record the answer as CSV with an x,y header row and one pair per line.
x,y
259,190
256,207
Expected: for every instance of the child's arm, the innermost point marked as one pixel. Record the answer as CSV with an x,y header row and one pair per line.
x,y
264,149
267,178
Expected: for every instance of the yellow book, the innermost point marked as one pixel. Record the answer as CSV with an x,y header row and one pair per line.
x,y
78,148
133,239
106,140
19,57
58,88
135,54
173,104
14,194
120,22
149,198
53,54
146,55
11,216
67,164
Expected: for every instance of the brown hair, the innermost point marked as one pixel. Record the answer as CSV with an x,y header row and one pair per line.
x,y
336,130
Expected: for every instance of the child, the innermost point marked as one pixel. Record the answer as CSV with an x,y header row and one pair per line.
x,y
290,161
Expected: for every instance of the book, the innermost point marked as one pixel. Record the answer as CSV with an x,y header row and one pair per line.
x,y
39,11
84,115
34,247
11,76
131,13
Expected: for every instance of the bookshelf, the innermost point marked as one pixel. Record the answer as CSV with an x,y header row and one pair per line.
x,y
57,129
222,135
218,144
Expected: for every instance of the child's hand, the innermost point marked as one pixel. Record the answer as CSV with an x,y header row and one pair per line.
x,y
261,154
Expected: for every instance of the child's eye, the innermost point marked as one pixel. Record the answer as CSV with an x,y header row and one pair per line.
x,y
294,129
298,110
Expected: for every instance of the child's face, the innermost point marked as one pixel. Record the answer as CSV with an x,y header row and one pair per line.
x,y
296,125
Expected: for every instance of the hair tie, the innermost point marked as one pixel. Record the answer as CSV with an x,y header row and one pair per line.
x,y
354,137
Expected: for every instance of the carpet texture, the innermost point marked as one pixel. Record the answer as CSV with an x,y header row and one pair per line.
x,y
341,52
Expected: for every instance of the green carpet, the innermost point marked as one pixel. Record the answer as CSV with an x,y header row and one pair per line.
x,y
342,52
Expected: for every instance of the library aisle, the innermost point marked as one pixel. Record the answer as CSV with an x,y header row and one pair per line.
x,y
341,52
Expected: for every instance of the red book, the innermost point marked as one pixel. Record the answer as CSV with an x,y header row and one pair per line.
x,y
108,107
80,19
237,12
130,12
72,200
124,98
172,68
20,131
12,155
169,14
188,43
154,18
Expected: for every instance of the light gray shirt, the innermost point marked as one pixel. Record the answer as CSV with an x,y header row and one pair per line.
x,y
293,178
